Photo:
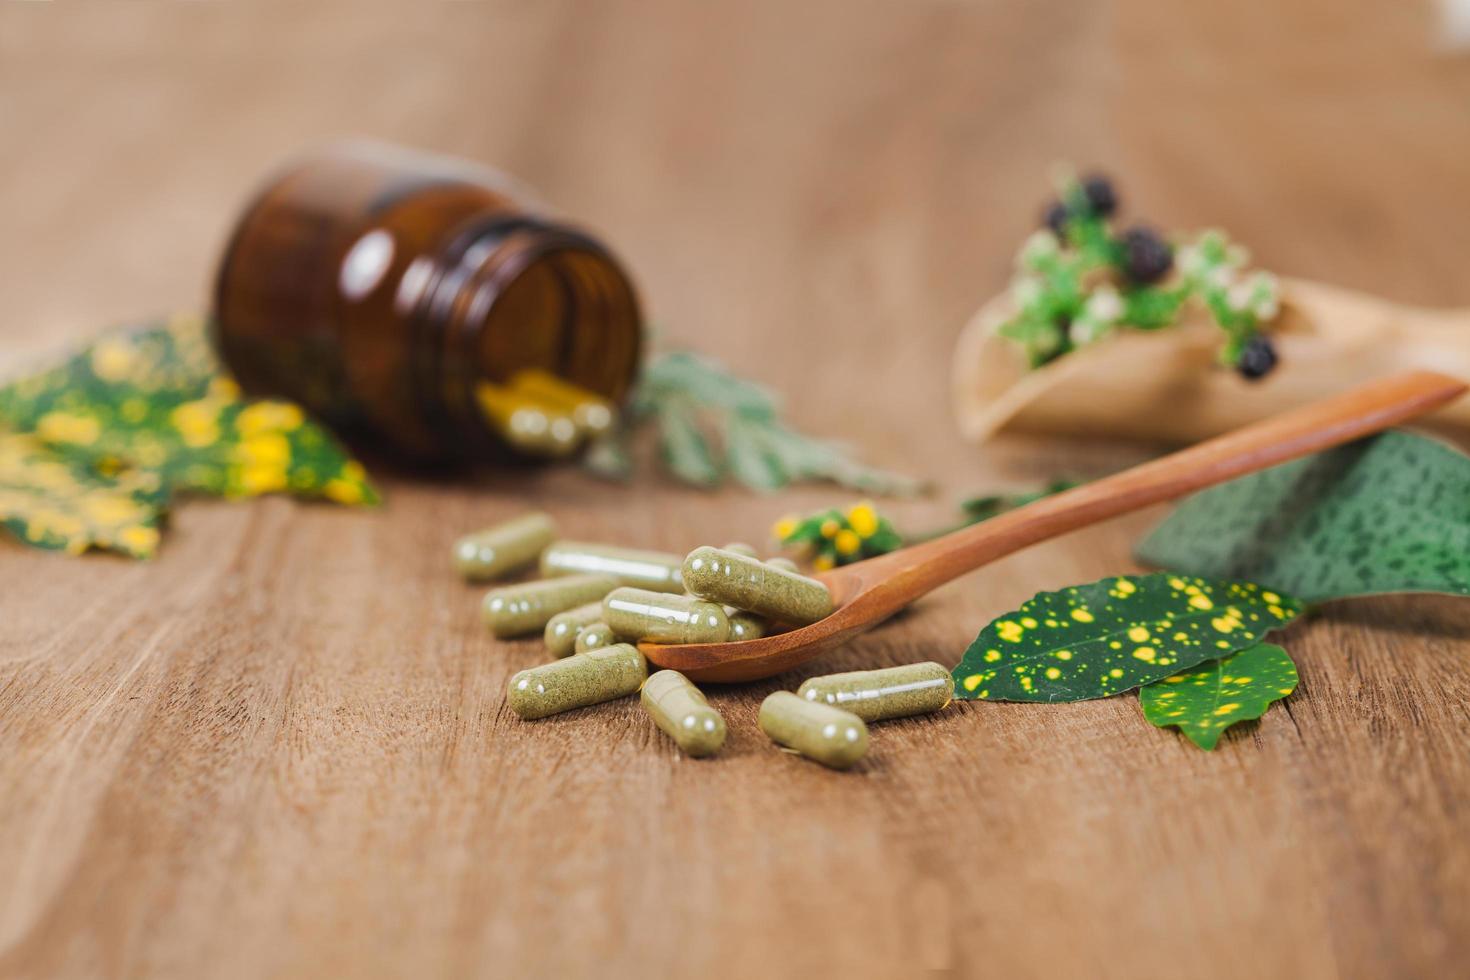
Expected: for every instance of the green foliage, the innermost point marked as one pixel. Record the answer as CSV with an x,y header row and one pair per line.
x,y
688,398
983,508
95,447
1386,514
1096,640
1205,700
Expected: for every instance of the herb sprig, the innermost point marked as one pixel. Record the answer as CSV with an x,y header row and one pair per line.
x,y
689,399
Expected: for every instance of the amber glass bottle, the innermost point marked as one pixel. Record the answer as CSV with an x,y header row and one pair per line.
x,y
380,287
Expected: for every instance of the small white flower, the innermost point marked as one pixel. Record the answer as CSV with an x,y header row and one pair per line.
x,y
1087,329
1041,245
1266,302
1025,290
1220,277
1241,295
1191,260
1104,305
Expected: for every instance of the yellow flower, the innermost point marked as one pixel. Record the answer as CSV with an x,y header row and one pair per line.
x,y
786,527
823,563
864,519
847,542
65,427
830,528
268,417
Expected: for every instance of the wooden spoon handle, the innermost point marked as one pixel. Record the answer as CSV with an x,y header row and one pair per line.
x,y
1321,425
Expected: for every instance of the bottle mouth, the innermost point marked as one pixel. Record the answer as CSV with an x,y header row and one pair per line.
x,y
511,294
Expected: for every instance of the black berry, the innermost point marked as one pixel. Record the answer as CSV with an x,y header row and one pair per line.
x,y
1100,195
1257,358
1146,256
1055,218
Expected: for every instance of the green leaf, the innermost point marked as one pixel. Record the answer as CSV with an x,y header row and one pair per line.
x,y
748,457
685,451
1205,700
1386,514
1096,640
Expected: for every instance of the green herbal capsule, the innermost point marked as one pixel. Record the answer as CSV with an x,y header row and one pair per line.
x,y
514,610
597,635
642,615
741,548
505,548
656,570
744,625
785,564
874,695
577,681
755,586
563,629
828,735
678,707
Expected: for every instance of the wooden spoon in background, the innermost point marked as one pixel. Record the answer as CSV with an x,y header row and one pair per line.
x,y
1166,387
868,592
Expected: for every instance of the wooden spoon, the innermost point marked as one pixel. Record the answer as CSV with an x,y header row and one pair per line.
x,y
868,592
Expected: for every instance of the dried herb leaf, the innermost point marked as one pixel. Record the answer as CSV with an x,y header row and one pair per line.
x,y
685,451
1205,700
1385,514
748,457
1096,640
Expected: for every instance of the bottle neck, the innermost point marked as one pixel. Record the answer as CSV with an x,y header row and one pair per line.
x,y
507,292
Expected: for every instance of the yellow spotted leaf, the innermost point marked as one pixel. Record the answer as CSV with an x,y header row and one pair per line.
x,y
1205,700
152,408
1106,637
50,501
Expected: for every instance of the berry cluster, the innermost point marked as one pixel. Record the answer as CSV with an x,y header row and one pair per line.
x,y
1080,281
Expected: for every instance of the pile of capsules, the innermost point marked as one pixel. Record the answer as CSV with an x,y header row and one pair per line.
x,y
595,602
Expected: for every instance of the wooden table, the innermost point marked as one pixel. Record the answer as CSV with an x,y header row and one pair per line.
x,y
282,748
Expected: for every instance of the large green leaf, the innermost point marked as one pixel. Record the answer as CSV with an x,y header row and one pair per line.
x,y
1386,514
1096,640
1205,700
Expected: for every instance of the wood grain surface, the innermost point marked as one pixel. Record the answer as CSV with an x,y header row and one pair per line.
x,y
281,749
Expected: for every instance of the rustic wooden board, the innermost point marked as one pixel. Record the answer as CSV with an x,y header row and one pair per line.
x,y
282,749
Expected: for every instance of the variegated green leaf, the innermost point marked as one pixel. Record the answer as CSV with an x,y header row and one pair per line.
x,y
1096,640
1205,700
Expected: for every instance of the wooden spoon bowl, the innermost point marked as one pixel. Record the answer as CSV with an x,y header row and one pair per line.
x,y
868,592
